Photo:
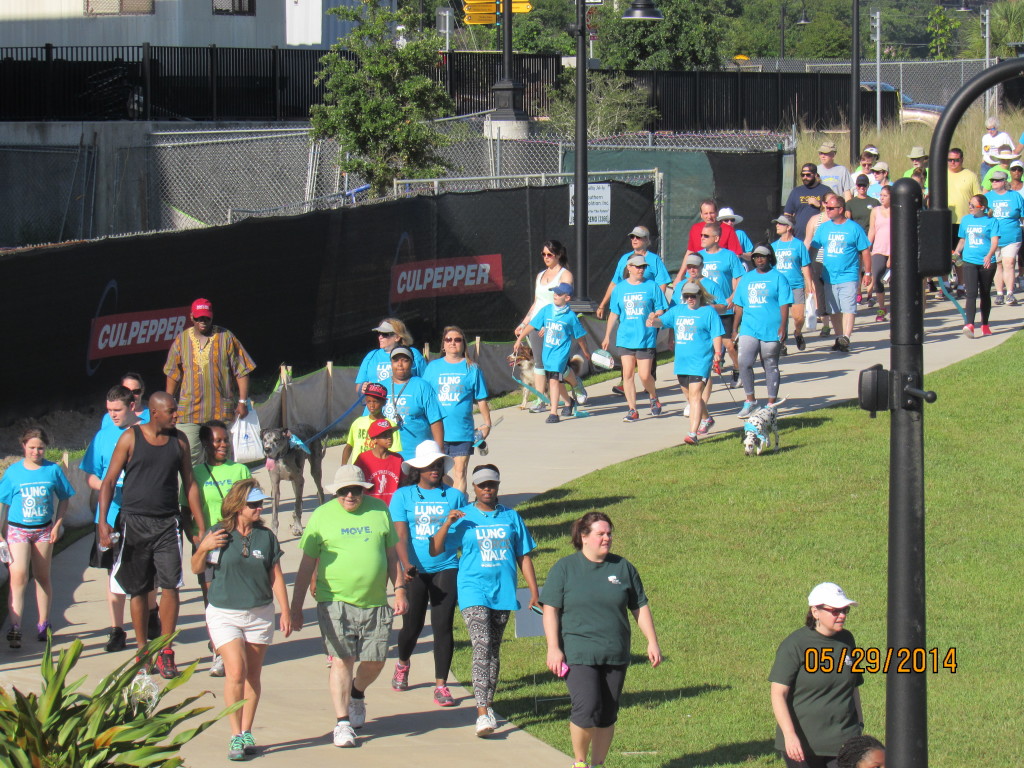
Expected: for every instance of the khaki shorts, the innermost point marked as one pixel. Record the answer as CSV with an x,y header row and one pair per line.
x,y
254,626
349,631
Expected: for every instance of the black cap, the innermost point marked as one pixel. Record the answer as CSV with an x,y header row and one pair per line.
x,y
863,181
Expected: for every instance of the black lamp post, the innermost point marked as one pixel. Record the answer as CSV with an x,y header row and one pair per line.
x,y
855,87
639,10
782,26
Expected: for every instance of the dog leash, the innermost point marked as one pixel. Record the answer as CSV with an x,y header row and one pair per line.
x,y
579,412
329,427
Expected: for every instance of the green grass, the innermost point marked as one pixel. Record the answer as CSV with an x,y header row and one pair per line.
x,y
729,547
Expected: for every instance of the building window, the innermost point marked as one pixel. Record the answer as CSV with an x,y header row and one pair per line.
x,y
234,7
119,7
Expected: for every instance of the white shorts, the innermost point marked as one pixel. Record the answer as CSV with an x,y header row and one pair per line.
x,y
255,626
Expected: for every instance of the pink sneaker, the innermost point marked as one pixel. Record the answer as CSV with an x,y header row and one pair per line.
x,y
400,680
986,331
969,331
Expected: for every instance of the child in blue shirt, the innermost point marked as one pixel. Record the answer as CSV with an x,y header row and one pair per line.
x,y
559,326
31,523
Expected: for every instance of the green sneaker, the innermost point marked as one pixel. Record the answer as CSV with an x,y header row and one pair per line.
x,y
236,748
250,742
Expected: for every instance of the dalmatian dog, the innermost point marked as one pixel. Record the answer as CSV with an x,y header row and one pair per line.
x,y
286,458
759,429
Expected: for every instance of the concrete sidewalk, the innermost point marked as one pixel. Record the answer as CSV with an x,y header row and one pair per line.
x,y
295,720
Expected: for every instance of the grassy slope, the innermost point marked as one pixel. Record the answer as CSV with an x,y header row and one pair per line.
x,y
729,547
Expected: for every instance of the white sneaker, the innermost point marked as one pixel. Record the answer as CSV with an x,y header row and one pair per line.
x,y
485,725
686,410
357,712
217,668
344,736
581,394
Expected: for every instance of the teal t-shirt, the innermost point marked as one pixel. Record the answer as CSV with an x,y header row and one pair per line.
x,y
424,510
242,583
594,600
491,544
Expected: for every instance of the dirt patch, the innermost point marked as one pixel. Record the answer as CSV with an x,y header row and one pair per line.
x,y
67,430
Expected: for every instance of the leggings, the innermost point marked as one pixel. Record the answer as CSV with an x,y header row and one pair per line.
x,y
485,627
769,351
440,592
878,271
978,280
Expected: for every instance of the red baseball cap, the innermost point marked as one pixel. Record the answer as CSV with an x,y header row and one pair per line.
x,y
380,427
373,389
202,308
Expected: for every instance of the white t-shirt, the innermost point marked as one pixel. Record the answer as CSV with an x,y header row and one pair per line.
x,y
988,143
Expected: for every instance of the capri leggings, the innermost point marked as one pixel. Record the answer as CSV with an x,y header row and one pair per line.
x,y
486,627
978,283
750,348
439,591
878,268
595,691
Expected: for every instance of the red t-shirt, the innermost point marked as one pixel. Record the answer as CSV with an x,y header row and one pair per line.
x,y
727,240
385,474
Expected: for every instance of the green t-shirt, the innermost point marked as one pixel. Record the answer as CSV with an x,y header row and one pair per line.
x,y
360,442
821,703
860,210
594,599
214,484
243,583
352,550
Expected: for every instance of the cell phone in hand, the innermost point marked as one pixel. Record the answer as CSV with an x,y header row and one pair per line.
x,y
538,609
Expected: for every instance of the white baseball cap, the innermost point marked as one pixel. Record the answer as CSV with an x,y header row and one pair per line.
x,y
830,594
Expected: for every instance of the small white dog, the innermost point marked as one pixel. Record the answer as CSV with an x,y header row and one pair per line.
x,y
759,429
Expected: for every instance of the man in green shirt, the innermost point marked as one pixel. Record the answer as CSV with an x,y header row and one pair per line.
x,y
350,541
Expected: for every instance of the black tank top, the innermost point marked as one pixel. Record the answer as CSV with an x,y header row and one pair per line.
x,y
151,478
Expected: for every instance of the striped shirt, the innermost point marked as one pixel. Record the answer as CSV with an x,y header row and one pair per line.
x,y
206,374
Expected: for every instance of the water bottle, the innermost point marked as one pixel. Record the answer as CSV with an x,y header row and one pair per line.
x,y
114,538
5,552
478,441
213,556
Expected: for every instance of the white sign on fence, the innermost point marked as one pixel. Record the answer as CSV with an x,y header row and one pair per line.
x,y
599,204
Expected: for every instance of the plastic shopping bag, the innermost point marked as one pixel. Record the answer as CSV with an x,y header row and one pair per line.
x,y
245,438
810,314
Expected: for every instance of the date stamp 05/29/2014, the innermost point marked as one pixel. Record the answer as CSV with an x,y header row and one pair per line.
x,y
883,660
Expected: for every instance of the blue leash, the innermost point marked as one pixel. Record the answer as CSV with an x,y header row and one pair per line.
x,y
305,443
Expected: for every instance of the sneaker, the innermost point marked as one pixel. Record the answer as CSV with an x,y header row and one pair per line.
x,y
165,664
686,410
552,419
236,748
735,379
969,331
357,712
443,697
580,764
153,625
690,439
344,736
250,742
826,331
631,415
655,407
538,406
844,343
880,317
705,425
581,394
998,300
747,409
568,410
145,668
800,343
42,630
986,331
117,640
400,680
14,636
618,390
835,346
783,351
217,668
1011,300
485,725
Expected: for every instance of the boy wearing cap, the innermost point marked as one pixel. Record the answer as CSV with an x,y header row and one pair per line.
x,y
868,157
202,363
833,176
358,438
560,327
351,544
632,301
1007,209
380,465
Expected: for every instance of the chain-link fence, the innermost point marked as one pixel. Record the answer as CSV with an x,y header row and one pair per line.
x,y
924,82
49,194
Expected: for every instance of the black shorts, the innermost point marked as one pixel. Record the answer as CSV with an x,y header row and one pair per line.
x,y
556,375
639,354
727,323
150,554
685,380
595,692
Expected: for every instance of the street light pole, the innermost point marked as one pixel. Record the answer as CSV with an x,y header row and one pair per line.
x,y
855,86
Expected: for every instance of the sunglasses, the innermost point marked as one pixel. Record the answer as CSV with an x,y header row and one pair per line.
x,y
833,208
355,490
954,159
705,235
254,504
637,266
636,237
807,175
135,392
386,335
835,611
689,296
454,340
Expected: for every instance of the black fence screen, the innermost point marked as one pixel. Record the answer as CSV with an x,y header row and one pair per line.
x,y
300,290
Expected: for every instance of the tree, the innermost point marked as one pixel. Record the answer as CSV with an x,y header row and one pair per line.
x,y
545,29
1007,19
690,36
615,104
380,97
943,32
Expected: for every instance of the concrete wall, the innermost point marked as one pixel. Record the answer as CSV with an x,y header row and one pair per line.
x,y
173,22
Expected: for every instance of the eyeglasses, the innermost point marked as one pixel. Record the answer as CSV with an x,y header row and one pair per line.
x,y
356,490
453,340
835,611
833,208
